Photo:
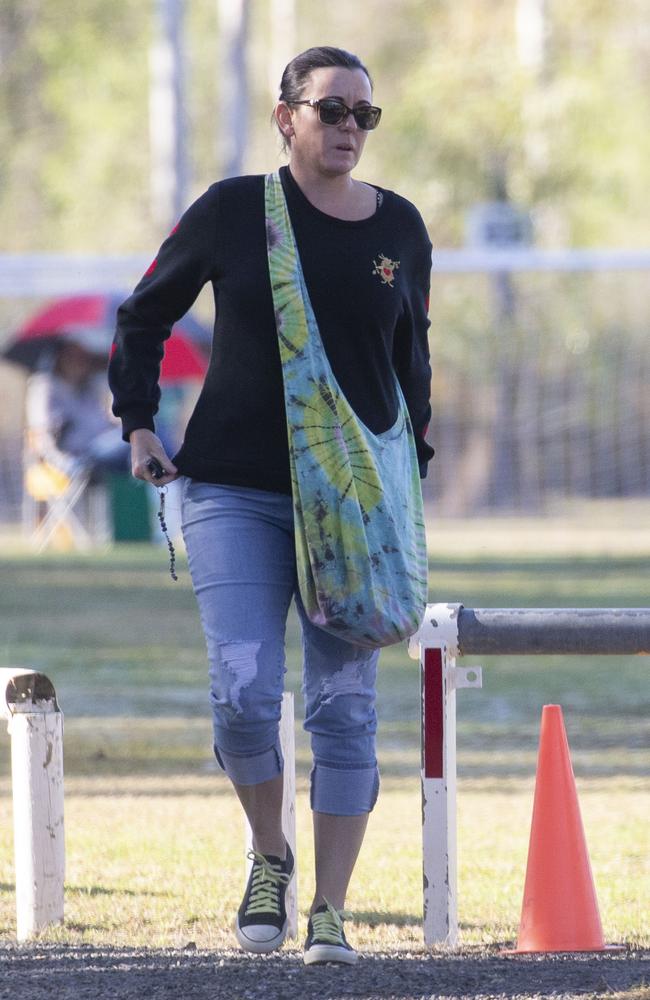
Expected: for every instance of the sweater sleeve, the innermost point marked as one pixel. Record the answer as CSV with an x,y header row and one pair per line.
x,y
411,352
185,262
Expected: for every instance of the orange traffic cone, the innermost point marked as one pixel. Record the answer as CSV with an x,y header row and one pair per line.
x,y
559,910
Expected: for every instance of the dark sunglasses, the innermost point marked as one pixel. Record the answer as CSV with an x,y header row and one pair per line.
x,y
331,111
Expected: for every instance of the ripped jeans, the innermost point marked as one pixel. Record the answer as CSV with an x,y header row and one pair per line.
x,y
240,546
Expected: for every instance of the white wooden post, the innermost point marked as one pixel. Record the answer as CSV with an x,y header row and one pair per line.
x,y
28,701
288,744
437,642
438,776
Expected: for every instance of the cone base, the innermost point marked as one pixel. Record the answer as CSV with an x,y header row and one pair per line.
x,y
560,951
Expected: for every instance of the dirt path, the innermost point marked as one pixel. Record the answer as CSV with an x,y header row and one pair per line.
x,y
86,973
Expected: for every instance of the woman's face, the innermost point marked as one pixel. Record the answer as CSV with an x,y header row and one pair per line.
x,y
329,150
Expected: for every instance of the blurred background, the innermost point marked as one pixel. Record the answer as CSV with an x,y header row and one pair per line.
x,y
520,128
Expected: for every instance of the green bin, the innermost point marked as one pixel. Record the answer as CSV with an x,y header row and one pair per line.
x,y
130,508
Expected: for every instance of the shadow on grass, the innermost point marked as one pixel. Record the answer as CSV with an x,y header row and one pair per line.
x,y
100,890
543,566
371,918
596,767
73,925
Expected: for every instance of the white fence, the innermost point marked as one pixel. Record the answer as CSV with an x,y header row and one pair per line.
x,y
448,631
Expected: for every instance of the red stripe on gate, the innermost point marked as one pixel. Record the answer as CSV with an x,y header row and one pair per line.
x,y
433,726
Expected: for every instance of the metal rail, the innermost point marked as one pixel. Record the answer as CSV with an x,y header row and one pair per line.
x,y
550,631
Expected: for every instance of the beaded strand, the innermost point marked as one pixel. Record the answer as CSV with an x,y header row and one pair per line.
x,y
162,490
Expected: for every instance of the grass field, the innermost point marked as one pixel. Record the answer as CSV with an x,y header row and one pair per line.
x,y
154,840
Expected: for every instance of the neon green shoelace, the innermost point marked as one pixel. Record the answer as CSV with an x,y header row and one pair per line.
x,y
328,926
265,888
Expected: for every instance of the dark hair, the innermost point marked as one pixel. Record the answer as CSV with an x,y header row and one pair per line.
x,y
297,72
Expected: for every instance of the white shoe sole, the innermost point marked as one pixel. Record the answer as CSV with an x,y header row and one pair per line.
x,y
329,953
260,947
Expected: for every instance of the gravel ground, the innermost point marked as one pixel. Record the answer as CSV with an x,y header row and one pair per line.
x,y
85,973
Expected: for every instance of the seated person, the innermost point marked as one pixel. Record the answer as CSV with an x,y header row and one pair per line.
x,y
68,418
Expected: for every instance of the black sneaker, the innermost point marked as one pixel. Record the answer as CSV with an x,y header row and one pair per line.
x,y
261,924
326,937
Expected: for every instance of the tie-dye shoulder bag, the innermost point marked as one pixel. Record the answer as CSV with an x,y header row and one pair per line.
x,y
359,524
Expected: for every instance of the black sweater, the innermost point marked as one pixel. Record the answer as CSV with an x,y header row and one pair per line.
x,y
372,318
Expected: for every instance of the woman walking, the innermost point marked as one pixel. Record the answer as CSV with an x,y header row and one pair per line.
x,y
365,256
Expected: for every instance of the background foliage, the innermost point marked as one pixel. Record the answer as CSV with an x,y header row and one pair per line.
x,y
465,116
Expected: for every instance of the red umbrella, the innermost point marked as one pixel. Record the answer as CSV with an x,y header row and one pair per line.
x,y
89,320
182,360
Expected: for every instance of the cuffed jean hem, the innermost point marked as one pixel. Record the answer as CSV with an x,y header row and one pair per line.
x,y
344,792
251,770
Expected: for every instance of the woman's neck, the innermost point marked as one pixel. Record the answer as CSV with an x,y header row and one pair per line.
x,y
339,195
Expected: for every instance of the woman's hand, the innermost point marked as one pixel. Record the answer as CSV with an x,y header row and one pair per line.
x,y
145,447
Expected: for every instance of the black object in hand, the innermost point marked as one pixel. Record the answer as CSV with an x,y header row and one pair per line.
x,y
155,468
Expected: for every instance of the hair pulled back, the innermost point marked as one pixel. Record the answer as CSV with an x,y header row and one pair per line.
x,y
296,73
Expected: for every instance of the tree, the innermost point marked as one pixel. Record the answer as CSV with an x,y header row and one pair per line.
x,y
462,110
